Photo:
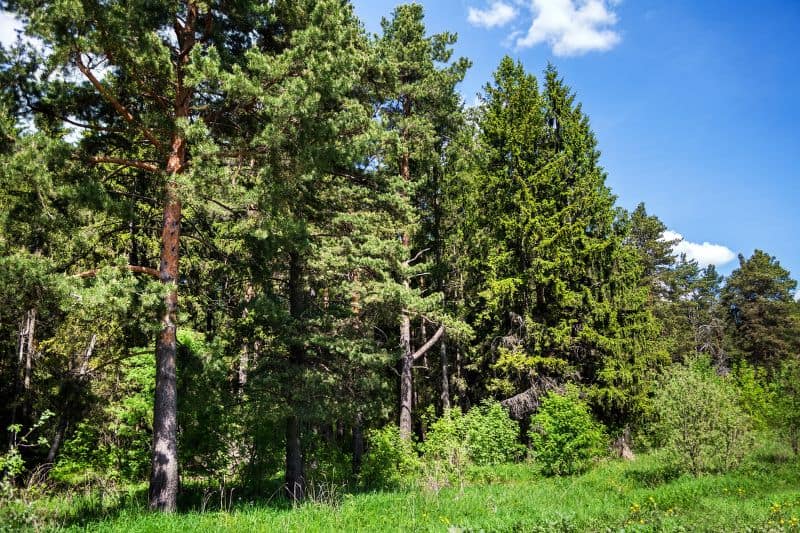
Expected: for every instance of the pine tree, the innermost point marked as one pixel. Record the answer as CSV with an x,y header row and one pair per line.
x,y
182,101
761,311
421,108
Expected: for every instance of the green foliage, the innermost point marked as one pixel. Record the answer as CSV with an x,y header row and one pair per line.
x,y
761,312
700,425
555,283
756,394
113,442
565,438
785,413
484,436
391,462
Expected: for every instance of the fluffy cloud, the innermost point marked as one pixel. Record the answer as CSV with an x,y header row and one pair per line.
x,y
571,27
498,14
705,254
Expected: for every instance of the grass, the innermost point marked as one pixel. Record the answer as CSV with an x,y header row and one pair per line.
x,y
762,495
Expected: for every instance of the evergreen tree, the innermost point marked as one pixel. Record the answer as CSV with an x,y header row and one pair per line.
x,y
758,299
420,107
561,293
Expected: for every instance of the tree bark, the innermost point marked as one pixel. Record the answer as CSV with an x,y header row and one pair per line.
x,y
358,442
406,377
294,476
164,480
445,396
164,476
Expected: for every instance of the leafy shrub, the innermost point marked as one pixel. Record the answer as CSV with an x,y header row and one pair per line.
x,y
390,462
564,436
491,436
755,396
486,435
445,452
700,423
785,412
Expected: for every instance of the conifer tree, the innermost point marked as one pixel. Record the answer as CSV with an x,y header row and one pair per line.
x,y
182,100
561,292
760,311
421,108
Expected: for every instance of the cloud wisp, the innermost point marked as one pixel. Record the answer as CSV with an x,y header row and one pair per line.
x,y
498,14
705,254
568,27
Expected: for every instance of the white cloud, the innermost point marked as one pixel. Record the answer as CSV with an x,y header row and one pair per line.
x,y
498,14
705,254
571,27
8,27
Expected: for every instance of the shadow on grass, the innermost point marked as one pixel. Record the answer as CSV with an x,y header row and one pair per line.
x,y
653,474
94,506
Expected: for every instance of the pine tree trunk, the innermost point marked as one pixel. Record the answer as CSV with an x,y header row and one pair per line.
x,y
26,347
406,377
164,481
358,443
406,361
294,476
445,397
55,446
164,476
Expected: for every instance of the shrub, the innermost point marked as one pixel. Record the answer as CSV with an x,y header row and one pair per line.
x,y
754,394
390,462
485,436
785,412
564,436
491,436
700,423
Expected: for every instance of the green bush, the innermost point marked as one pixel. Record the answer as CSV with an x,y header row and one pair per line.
x,y
456,442
390,462
785,409
564,436
700,422
755,396
491,436
486,435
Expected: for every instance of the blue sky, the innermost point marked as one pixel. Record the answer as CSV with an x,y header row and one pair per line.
x,y
696,104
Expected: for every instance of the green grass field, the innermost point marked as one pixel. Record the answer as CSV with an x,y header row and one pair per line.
x,y
762,495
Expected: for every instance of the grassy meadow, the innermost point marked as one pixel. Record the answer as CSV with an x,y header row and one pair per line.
x,y
763,494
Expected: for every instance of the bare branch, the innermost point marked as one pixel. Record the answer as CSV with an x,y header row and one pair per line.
x,y
408,262
133,268
150,167
427,346
121,109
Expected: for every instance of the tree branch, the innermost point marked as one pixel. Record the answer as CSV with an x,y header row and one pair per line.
x,y
427,346
121,109
133,268
150,167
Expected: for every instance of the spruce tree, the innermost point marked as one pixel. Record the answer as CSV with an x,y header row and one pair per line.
x,y
561,297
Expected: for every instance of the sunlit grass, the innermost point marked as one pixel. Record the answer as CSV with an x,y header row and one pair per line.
x,y
763,494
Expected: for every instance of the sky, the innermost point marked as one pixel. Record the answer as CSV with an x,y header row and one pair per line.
x,y
694,104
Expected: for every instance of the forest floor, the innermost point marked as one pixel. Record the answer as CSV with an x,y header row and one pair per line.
x,y
763,494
